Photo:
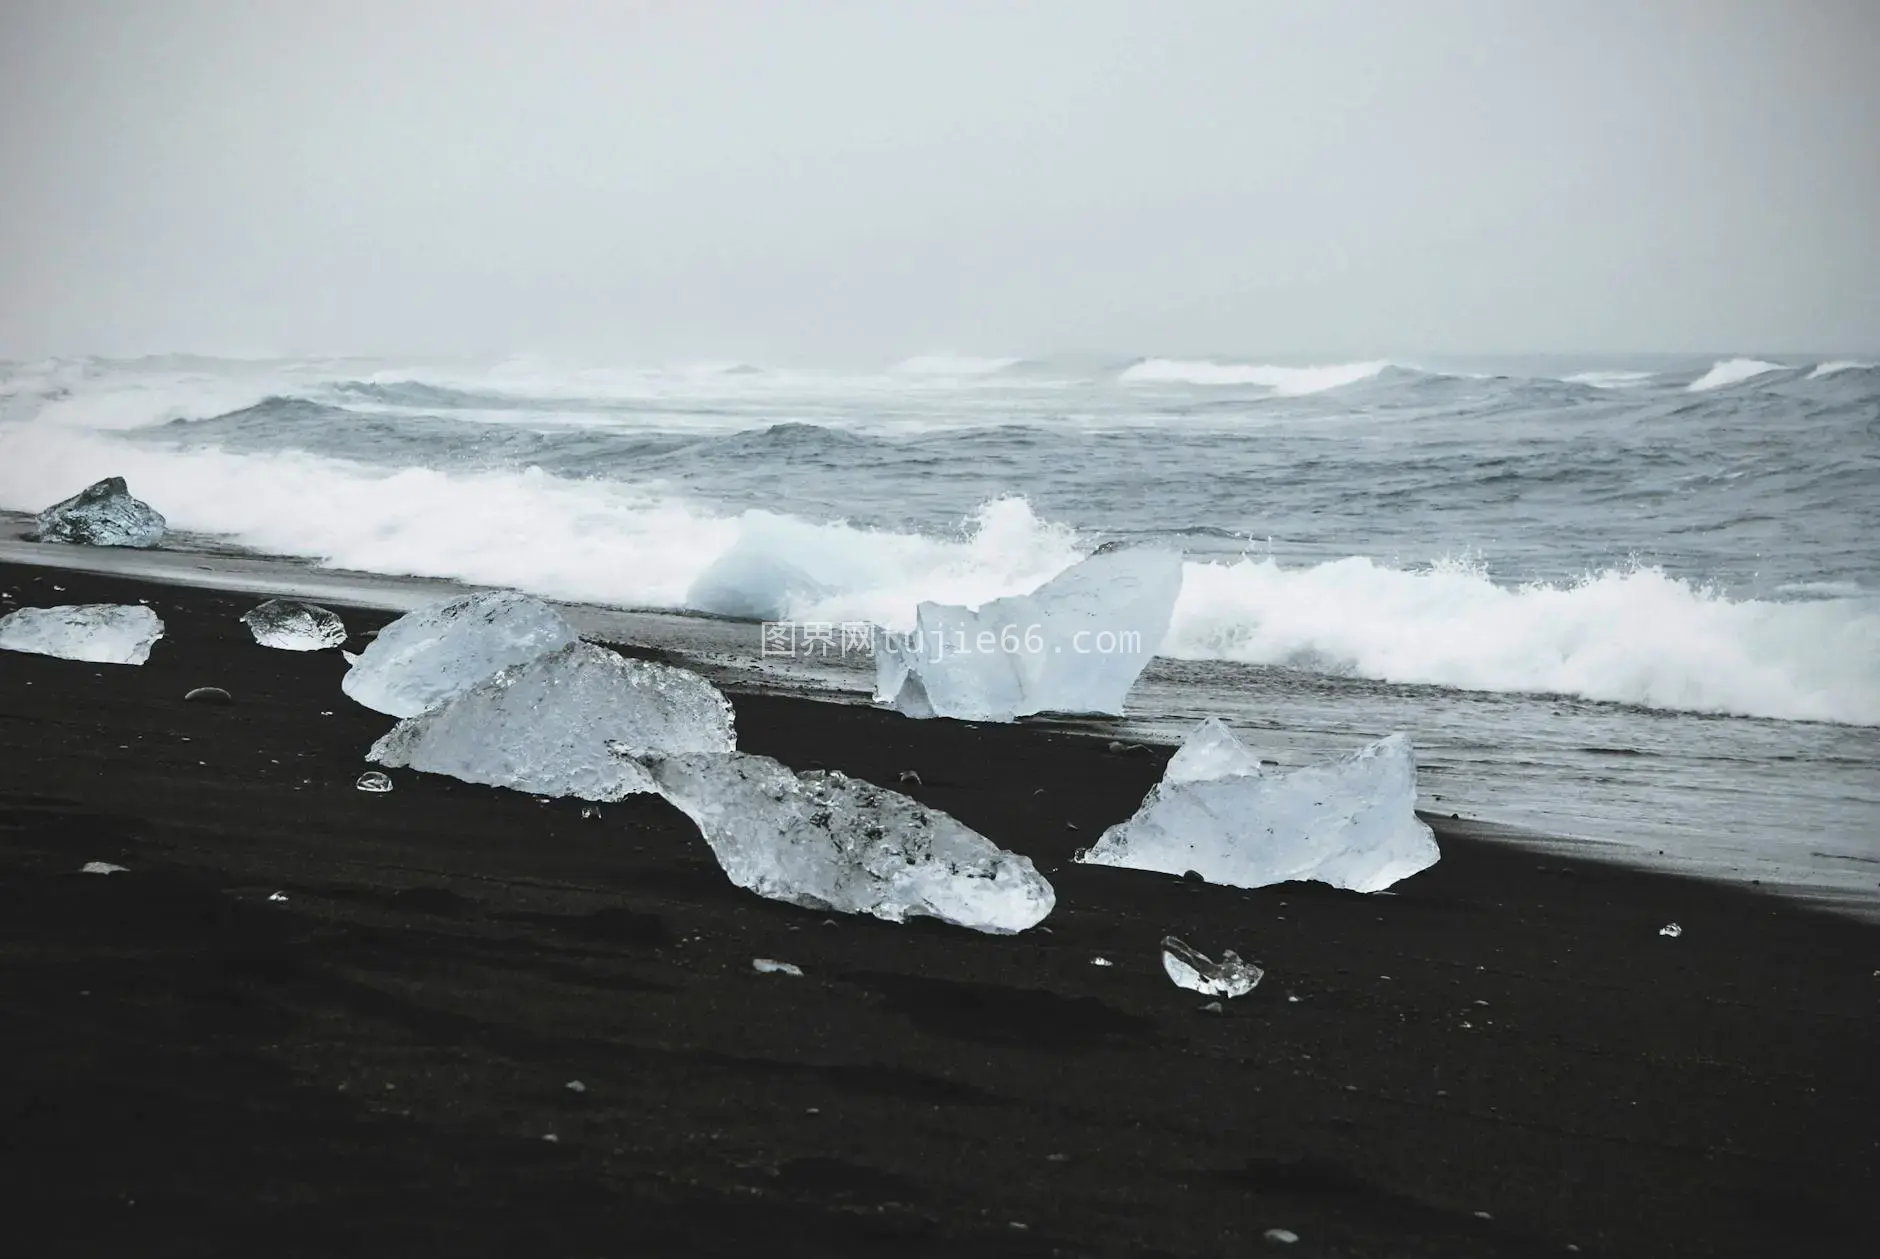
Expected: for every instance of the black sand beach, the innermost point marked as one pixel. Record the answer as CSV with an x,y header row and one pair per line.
x,y
1503,1057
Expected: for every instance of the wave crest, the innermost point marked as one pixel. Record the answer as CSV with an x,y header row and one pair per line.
x,y
1732,371
1286,382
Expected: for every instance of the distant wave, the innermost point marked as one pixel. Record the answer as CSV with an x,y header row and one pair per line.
x,y
1837,366
1284,381
1732,371
951,365
1609,379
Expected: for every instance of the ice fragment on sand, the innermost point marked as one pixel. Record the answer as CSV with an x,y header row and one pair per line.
x,y
425,657
101,514
207,695
566,724
575,1086
102,867
279,898
1284,1236
1074,645
1229,977
1101,961
372,780
289,625
101,633
1671,929
1351,823
827,841
770,966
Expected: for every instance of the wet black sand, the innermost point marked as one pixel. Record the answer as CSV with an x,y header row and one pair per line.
x,y
371,1066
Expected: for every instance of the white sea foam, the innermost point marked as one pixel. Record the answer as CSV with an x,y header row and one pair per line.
x,y
1732,371
1288,382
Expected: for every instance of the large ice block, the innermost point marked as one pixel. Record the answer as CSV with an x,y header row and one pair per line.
x,y
1350,823
828,841
1074,645
425,657
102,633
101,514
290,625
565,724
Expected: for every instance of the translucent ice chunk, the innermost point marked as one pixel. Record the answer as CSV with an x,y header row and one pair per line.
x,y
290,625
101,514
102,633
1351,823
1671,929
1074,645
1229,977
375,782
102,867
827,841
425,657
565,724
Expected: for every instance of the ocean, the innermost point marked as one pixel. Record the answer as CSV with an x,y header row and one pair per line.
x,y
1628,603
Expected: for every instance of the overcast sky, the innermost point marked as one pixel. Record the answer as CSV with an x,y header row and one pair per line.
x,y
821,181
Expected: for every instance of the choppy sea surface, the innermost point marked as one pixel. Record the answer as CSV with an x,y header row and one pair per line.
x,y
1634,601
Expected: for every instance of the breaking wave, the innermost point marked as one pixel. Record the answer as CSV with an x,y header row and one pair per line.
x,y
1632,635
1732,371
1837,366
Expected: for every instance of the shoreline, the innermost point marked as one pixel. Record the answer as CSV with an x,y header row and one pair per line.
x,y
1500,1056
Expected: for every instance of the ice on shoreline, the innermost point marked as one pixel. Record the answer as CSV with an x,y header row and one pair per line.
x,y
1074,645
102,514
569,723
826,841
1230,977
290,625
101,633
1351,823
425,657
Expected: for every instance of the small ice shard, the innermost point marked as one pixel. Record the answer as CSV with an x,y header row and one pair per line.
x,y
1101,961
575,1086
290,625
425,657
1671,929
100,633
570,723
826,841
207,695
101,514
279,898
1283,1236
770,966
1229,977
1074,645
102,867
1351,823
372,780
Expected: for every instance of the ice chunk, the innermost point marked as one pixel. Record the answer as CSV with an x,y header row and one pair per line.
x,y
1074,645
425,657
565,724
1671,929
827,841
101,514
1229,977
102,867
102,633
771,966
375,782
1351,823
289,625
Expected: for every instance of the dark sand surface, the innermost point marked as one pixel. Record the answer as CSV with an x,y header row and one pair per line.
x,y
1502,1058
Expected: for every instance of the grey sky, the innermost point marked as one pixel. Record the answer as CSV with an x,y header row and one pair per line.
x,y
813,181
